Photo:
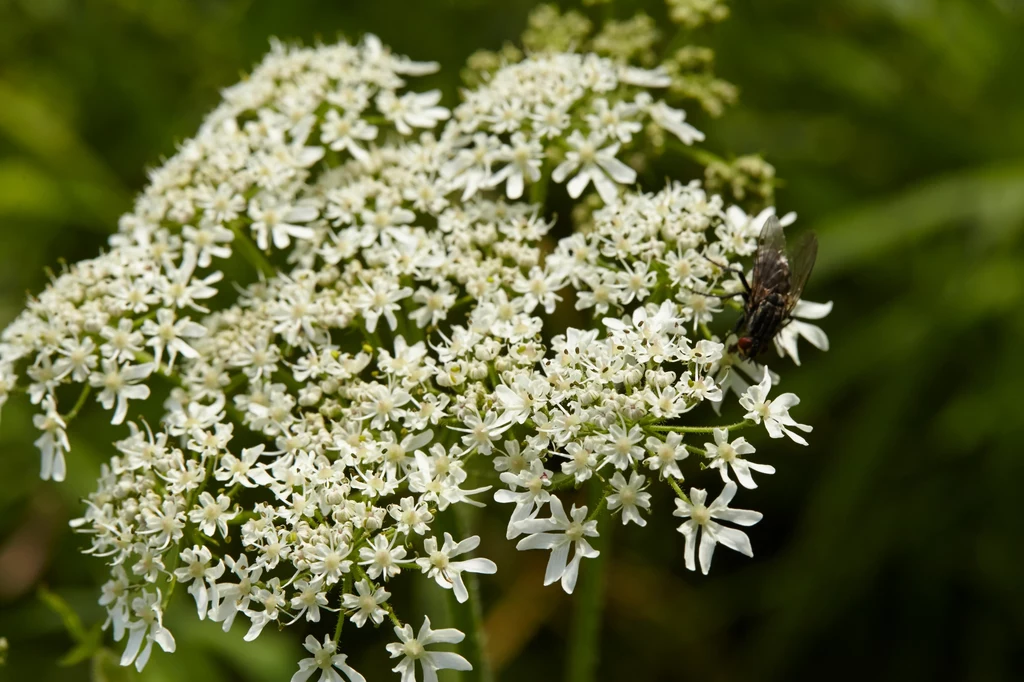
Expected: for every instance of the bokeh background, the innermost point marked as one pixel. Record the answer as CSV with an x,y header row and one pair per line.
x,y
891,547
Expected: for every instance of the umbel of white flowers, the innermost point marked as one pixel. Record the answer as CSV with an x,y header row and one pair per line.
x,y
313,424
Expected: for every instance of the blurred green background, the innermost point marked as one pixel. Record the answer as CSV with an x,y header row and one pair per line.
x,y
891,547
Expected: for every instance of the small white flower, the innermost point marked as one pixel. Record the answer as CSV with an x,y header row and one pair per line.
x,y
534,479
381,297
280,223
701,518
410,516
630,497
328,562
622,447
120,383
309,598
412,110
78,359
724,454
666,454
412,649
523,159
447,573
481,432
273,600
774,413
582,461
644,78
211,240
786,339
673,120
196,569
381,559
559,533
614,121
53,443
326,659
148,627
181,289
365,604
592,164
244,470
123,342
213,515
342,132
167,333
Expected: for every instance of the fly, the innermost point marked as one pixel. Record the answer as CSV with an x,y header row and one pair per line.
x,y
778,280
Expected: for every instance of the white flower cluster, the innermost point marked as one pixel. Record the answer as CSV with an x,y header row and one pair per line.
x,y
392,350
506,130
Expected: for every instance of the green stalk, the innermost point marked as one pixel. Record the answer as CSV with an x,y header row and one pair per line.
x,y
346,586
703,429
588,601
79,404
482,667
539,189
251,252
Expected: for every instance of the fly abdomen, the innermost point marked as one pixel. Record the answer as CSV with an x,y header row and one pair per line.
x,y
764,322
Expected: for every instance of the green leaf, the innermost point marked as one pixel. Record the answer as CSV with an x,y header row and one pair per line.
x,y
106,667
85,649
72,623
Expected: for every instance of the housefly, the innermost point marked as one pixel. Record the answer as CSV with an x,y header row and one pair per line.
x,y
775,287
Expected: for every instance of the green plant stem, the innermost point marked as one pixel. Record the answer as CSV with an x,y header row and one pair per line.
x,y
539,189
482,665
701,156
679,491
251,252
346,586
703,429
79,404
588,601
391,614
359,574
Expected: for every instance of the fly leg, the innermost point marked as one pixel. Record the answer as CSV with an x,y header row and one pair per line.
x,y
739,324
743,276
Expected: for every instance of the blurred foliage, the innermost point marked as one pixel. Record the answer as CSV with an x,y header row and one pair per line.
x,y
890,547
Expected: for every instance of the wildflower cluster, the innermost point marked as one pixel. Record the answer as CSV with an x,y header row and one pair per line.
x,y
289,443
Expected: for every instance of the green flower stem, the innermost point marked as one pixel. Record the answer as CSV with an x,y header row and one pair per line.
x,y
79,404
360,574
601,504
539,189
703,429
678,40
251,252
391,614
482,668
679,491
588,601
701,156
562,481
346,586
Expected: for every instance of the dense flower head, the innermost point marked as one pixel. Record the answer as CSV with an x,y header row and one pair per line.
x,y
290,442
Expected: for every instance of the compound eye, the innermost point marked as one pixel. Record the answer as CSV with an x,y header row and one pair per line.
x,y
745,344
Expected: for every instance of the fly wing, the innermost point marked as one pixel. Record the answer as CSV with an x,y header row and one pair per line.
x,y
771,268
801,263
